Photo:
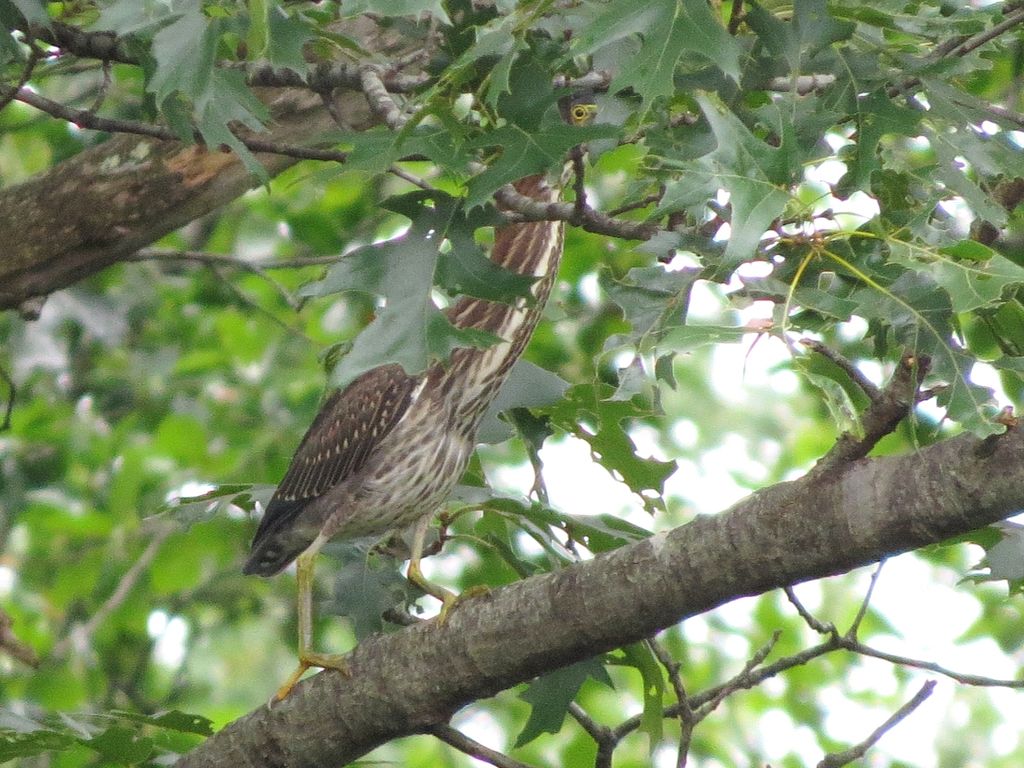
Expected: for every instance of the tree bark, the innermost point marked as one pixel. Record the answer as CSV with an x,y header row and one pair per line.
x,y
105,203
821,525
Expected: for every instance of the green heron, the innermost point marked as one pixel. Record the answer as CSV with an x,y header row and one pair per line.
x,y
387,450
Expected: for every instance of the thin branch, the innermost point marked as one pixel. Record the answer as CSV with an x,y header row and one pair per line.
x,y
738,682
837,759
652,199
322,77
12,646
821,627
403,174
26,73
12,390
687,721
601,734
851,633
887,410
381,102
80,634
523,208
474,748
856,646
214,260
735,17
963,47
976,41
224,260
85,119
869,388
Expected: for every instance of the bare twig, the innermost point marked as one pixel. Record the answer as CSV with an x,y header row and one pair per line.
x,y
12,390
847,756
848,367
963,47
735,17
602,734
26,73
380,101
687,721
651,199
855,646
523,208
80,634
888,408
739,682
403,174
224,260
809,618
85,119
12,646
474,748
863,610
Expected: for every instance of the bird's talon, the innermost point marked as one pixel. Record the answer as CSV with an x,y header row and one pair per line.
x,y
308,661
450,601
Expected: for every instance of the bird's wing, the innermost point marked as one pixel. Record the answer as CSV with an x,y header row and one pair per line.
x,y
349,426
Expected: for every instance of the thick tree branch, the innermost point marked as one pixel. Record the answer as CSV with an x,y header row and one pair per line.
x,y
410,681
122,195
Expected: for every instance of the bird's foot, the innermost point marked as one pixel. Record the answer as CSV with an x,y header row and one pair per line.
x,y
308,660
450,600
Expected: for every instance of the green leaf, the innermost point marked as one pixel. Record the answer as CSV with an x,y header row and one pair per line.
x,y
415,8
877,116
409,330
120,745
812,28
258,38
972,274
34,11
524,154
921,318
587,412
189,510
668,29
366,586
185,53
287,38
527,386
653,301
639,656
551,695
1004,559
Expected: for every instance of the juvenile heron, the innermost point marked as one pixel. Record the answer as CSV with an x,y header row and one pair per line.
x,y
387,450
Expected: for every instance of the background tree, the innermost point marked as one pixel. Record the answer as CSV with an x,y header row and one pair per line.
x,y
792,285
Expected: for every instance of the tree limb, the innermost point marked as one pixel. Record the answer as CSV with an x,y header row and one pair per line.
x,y
412,680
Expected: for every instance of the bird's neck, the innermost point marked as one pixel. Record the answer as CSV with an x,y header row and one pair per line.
x,y
531,248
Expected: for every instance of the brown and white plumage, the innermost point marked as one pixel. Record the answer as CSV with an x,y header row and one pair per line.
x,y
349,426
390,447
387,450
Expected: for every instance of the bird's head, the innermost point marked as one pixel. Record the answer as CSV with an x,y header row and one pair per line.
x,y
579,108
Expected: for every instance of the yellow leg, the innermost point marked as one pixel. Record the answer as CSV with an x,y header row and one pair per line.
x,y
304,566
448,599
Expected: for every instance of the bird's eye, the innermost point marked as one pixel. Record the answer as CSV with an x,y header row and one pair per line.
x,y
581,112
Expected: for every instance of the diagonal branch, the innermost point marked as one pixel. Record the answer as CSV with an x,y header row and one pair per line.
x,y
414,679
85,119
888,408
847,756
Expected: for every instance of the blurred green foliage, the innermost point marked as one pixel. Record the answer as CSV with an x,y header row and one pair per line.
x,y
157,403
